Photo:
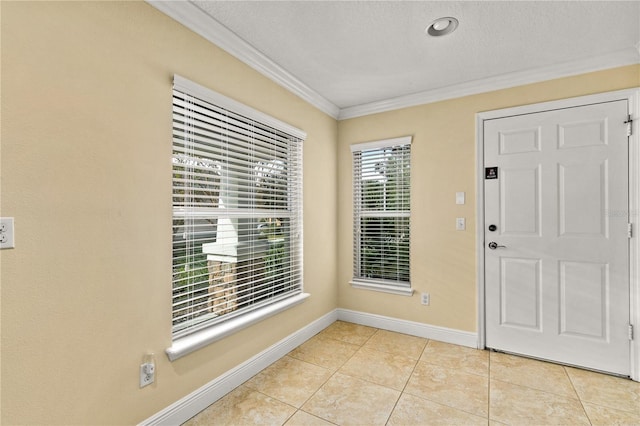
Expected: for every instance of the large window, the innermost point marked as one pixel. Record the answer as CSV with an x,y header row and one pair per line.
x,y
237,209
381,205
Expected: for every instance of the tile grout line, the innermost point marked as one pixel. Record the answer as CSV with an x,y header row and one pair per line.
x,y
435,364
332,374
297,409
402,392
573,386
488,386
598,403
378,384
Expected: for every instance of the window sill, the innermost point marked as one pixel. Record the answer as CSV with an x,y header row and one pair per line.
x,y
379,286
187,344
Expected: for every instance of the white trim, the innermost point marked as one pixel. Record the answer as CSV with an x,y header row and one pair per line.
x,y
190,405
384,143
617,59
206,26
194,89
634,207
187,407
633,97
199,339
194,18
625,94
363,284
479,173
441,334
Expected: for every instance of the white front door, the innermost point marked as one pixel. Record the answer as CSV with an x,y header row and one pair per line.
x,y
556,235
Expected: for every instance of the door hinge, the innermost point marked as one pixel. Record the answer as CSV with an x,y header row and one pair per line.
x,y
629,124
629,230
630,331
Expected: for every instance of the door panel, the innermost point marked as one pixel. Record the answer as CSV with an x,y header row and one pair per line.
x,y
581,134
583,293
520,293
582,190
520,201
557,280
519,141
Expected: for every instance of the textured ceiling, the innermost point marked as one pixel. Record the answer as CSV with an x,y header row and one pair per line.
x,y
358,52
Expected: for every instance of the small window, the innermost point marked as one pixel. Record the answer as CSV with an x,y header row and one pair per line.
x,y
237,209
382,212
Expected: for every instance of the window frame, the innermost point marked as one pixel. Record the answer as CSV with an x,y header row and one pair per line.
x,y
188,339
358,280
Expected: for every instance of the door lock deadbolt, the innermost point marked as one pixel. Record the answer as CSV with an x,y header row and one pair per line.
x,y
492,228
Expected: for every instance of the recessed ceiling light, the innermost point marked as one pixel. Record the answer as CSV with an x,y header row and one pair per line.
x,y
442,26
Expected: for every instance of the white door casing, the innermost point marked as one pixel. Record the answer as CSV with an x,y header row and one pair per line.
x,y
561,202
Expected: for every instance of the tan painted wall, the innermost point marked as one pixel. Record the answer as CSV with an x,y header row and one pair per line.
x,y
86,117
443,260
86,172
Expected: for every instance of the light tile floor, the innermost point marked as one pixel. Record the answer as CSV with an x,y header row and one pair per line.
x,y
355,375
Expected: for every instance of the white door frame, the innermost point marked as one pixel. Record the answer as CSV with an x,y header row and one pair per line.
x,y
633,97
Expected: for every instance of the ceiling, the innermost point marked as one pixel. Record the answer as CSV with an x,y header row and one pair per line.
x,y
351,57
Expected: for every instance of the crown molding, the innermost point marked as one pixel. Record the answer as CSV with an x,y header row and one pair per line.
x,y
194,18
617,59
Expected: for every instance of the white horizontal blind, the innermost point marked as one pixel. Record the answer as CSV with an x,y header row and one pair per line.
x,y
237,210
381,179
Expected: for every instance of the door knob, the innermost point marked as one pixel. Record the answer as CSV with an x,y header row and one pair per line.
x,y
493,245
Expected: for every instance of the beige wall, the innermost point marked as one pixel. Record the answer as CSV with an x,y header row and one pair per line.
x,y
86,172
443,260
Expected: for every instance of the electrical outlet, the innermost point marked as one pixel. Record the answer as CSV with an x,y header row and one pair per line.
x,y
147,374
6,233
425,299
147,371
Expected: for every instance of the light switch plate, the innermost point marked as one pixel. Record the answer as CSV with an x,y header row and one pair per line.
x,y
6,233
460,197
460,224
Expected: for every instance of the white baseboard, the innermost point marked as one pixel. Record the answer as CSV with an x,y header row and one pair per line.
x,y
442,334
187,407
